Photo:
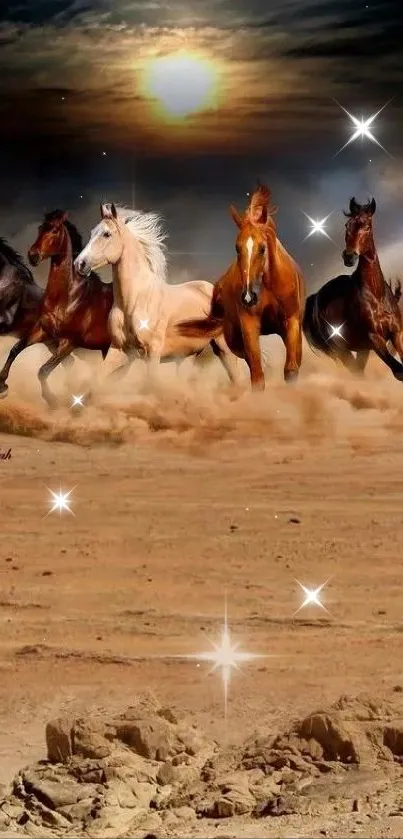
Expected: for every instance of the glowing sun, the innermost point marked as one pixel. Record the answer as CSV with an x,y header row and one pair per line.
x,y
181,84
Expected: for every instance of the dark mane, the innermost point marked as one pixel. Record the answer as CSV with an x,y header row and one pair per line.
x,y
76,239
14,258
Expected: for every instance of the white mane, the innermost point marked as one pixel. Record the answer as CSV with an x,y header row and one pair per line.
x,y
148,230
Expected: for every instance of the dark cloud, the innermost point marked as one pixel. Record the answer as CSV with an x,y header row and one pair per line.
x,y
69,92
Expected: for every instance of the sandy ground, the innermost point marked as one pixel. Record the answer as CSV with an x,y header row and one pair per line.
x,y
183,497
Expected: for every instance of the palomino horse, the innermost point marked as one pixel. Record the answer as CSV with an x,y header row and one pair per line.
x,y
146,308
359,312
260,294
74,311
20,298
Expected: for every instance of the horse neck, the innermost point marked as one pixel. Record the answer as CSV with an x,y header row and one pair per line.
x,y
369,271
133,279
61,275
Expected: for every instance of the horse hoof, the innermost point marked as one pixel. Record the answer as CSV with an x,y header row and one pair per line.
x,y
291,376
3,390
398,376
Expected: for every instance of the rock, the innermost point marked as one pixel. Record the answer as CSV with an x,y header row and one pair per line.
x,y
150,738
223,809
88,740
393,739
51,793
58,740
334,738
166,774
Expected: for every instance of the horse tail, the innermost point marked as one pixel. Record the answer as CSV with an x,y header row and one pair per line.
x,y
312,326
209,328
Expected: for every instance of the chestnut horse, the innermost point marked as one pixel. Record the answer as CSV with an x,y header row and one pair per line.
x,y
20,298
357,312
74,310
261,293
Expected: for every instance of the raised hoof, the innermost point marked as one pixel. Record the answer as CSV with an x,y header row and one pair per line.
x,y
399,376
291,376
3,390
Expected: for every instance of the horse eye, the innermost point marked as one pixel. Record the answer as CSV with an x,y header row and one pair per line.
x,y
261,249
107,234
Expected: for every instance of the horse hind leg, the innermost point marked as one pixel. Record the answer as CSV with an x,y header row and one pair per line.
x,y
380,346
293,346
361,361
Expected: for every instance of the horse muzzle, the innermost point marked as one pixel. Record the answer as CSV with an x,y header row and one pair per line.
x,y
82,267
34,258
250,295
349,258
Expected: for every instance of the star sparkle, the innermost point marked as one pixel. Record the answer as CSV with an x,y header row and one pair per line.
x,y
143,324
317,226
363,128
60,501
226,657
312,597
335,331
78,401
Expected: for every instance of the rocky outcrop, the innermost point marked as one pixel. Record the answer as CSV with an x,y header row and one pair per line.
x,y
146,772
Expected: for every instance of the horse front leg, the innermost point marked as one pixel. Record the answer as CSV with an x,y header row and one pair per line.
x,y
63,352
293,346
250,328
37,336
228,360
4,373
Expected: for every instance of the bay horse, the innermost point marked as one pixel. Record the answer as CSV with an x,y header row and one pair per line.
x,y
146,307
357,312
73,312
20,297
261,293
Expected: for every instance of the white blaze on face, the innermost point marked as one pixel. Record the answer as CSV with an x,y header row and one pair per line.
x,y
249,251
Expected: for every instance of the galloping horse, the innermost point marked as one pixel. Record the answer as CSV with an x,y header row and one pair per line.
x,y
146,308
261,293
20,298
359,312
73,312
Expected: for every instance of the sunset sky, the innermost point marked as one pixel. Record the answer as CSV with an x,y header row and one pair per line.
x,y
78,124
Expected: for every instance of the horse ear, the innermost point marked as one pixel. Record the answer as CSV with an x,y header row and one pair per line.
x,y
104,210
64,217
354,207
236,216
114,211
372,207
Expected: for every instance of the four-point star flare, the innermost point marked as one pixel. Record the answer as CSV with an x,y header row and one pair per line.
x,y
312,597
60,501
362,128
317,226
78,401
225,657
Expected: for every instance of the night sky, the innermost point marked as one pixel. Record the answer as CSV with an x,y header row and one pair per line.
x,y
78,126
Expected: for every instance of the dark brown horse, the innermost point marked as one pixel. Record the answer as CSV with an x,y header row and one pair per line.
x,y
20,297
260,294
74,310
357,312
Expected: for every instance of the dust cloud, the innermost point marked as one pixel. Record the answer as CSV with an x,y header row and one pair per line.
x,y
194,406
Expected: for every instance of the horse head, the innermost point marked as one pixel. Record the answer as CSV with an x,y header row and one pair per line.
x,y
51,238
358,230
252,243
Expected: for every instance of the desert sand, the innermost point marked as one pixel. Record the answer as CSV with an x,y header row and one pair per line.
x,y
182,497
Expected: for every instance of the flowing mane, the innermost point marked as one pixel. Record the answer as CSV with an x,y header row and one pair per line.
x,y
148,229
14,258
